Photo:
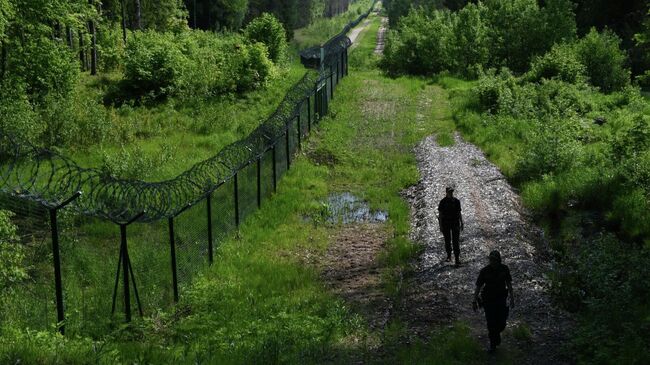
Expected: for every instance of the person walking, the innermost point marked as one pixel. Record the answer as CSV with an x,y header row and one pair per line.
x,y
450,220
494,284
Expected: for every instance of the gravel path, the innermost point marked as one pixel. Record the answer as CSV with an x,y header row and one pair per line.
x,y
381,36
354,32
438,293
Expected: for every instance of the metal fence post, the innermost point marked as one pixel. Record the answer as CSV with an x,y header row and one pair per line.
x,y
236,199
56,258
259,182
275,170
172,247
210,251
127,270
125,278
331,85
299,130
309,113
286,133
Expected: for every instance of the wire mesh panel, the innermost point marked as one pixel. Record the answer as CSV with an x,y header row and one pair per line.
x,y
304,127
266,175
247,185
281,157
223,211
293,138
29,301
90,250
191,236
150,259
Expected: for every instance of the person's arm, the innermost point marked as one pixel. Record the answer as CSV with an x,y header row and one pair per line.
x,y
509,286
462,225
512,298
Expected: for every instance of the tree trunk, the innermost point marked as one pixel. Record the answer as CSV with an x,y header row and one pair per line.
x,y
194,12
82,53
3,60
138,15
68,34
93,48
123,7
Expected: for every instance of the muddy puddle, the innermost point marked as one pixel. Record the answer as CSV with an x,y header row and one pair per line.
x,y
347,208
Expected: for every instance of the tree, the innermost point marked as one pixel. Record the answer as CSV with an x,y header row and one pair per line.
x,y
229,14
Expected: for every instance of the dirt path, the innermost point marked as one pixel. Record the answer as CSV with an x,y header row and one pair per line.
x,y
381,36
354,32
438,293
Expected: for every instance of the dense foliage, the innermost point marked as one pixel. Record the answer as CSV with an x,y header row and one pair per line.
x,y
12,256
429,41
269,31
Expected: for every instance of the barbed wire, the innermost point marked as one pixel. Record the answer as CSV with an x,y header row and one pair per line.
x,y
45,176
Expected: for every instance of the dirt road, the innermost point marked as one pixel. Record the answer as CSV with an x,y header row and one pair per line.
x,y
438,293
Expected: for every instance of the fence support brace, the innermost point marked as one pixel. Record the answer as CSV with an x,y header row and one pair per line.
x,y
125,263
172,247
56,257
209,205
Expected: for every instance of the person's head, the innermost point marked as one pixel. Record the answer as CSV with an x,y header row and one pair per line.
x,y
449,190
495,258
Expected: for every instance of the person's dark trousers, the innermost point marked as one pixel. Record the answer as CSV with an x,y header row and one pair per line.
x,y
451,232
496,314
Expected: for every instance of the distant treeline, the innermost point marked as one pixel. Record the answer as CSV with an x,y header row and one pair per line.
x,y
625,18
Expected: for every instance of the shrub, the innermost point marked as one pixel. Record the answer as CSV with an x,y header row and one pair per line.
x,y
421,45
561,62
516,28
110,48
552,147
494,89
255,67
153,64
12,253
19,118
471,43
607,280
604,60
44,65
268,30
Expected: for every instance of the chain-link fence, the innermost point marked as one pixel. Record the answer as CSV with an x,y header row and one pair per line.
x,y
127,248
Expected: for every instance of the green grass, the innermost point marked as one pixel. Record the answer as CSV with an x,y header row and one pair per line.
x,y
323,29
260,301
159,142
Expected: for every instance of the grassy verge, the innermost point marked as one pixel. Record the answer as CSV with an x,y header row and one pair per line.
x,y
325,28
159,142
577,157
260,301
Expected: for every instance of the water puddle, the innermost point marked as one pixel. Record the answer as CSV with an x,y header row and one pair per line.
x,y
346,208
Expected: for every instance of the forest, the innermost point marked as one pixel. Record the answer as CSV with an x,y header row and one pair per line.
x,y
554,93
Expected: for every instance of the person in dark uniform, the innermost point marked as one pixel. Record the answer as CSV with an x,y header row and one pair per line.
x,y
494,284
451,223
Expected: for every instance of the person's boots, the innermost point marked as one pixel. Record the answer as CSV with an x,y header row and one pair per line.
x,y
448,257
457,261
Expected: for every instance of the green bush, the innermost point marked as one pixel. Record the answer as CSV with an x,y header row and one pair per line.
x,y
153,64
421,45
44,65
493,90
21,121
604,60
471,45
12,253
607,281
110,48
552,147
268,30
194,64
561,62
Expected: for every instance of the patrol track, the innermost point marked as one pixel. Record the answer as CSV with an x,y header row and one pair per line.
x,y
437,293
